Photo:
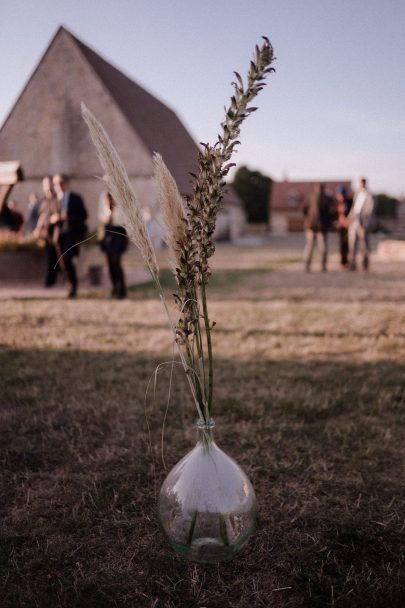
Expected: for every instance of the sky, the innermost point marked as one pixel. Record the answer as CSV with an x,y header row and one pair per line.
x,y
335,108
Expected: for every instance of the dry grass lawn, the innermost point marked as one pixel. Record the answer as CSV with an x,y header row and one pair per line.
x,y
309,400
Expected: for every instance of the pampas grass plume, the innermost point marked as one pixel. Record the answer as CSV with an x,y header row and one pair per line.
x,y
121,190
172,208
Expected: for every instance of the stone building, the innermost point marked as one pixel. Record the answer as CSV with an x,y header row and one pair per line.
x,y
46,133
287,199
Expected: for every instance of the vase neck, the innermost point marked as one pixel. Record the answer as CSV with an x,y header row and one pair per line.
x,y
205,431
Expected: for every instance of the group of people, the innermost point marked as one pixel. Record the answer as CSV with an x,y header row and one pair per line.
x,y
351,217
58,222
61,226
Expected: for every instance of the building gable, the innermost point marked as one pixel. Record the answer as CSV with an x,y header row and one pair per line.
x,y
46,133
45,130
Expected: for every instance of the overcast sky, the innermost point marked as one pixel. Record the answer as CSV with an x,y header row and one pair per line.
x,y
334,109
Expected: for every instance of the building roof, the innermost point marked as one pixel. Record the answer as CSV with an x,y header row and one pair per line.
x,y
156,124
158,127
289,196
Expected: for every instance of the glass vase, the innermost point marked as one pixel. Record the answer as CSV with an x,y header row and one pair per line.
x,y
207,505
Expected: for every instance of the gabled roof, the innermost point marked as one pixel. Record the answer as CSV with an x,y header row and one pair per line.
x,y
158,126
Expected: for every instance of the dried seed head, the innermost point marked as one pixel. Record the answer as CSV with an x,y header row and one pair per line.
x,y
121,190
173,210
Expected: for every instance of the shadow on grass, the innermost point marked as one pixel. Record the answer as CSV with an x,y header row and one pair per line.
x,y
322,442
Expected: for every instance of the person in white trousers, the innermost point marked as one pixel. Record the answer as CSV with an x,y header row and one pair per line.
x,y
359,219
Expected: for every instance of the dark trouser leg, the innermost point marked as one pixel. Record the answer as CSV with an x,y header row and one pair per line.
x,y
71,271
69,249
111,272
52,269
117,274
122,290
344,246
323,246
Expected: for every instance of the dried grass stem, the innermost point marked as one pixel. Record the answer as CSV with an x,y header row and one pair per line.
x,y
121,190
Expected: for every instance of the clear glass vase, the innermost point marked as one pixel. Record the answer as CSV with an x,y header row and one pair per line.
x,y
207,505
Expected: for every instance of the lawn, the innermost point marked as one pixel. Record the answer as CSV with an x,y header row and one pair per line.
x,y
309,399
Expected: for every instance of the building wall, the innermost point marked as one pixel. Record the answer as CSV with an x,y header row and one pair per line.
x,y
287,199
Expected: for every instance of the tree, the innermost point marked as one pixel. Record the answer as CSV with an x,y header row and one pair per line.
x,y
254,189
386,206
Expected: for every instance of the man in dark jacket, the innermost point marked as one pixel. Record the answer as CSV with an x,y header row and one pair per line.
x,y
73,227
317,221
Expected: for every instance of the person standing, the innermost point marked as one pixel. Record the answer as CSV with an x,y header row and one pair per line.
x,y
344,204
114,243
359,220
73,227
317,220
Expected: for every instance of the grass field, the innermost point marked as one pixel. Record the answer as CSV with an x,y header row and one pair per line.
x,y
309,400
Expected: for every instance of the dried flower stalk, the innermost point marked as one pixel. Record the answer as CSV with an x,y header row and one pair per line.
x,y
213,161
124,195
172,207
189,227
209,183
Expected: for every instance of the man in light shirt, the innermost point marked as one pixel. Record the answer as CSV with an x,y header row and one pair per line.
x,y
359,219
